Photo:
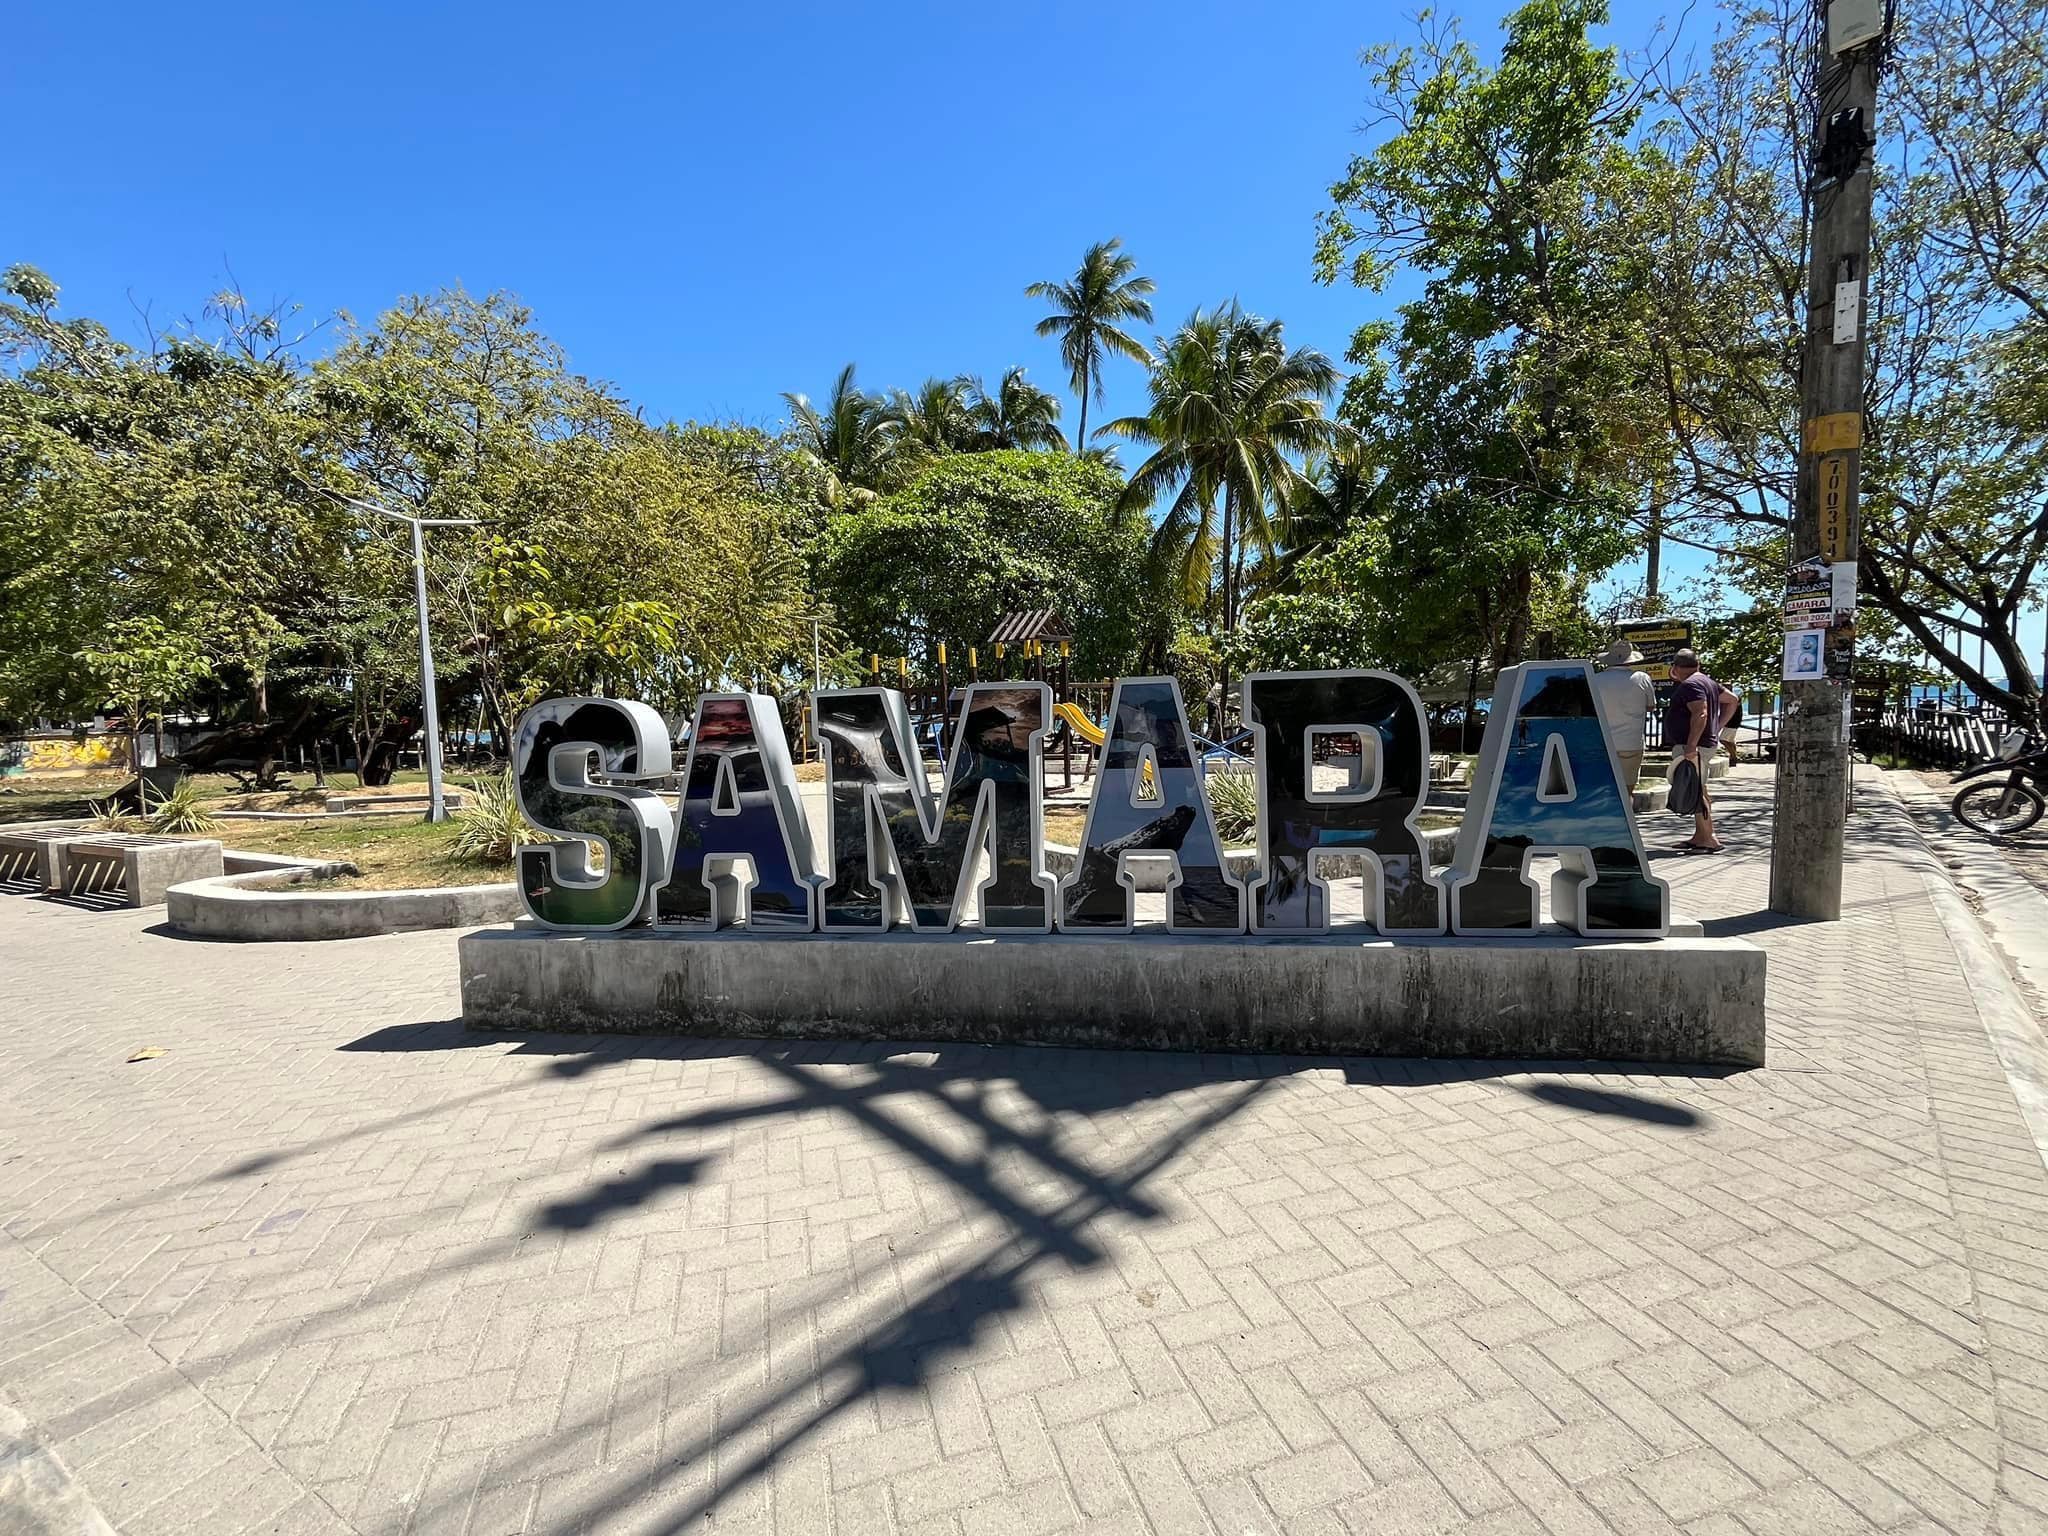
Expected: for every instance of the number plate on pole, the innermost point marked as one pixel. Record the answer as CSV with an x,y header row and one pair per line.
x,y
1834,506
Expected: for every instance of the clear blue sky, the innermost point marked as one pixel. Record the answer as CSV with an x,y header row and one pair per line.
x,y
706,205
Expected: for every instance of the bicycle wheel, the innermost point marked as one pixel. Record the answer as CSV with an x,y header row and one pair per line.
x,y
1998,809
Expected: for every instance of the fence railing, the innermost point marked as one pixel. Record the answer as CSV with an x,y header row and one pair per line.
x,y
1933,735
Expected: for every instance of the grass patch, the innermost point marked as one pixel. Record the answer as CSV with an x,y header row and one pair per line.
x,y
1063,824
58,799
26,799
395,855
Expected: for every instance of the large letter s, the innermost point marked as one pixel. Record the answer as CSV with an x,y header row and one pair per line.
x,y
556,749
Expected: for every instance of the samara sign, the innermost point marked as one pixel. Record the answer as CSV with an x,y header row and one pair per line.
x,y
735,849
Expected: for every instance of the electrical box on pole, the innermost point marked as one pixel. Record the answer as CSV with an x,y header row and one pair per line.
x,y
1852,23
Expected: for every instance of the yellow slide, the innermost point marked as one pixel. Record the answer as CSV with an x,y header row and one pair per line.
x,y
1078,721
1083,727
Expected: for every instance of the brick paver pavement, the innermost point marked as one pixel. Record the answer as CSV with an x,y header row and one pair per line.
x,y
331,1264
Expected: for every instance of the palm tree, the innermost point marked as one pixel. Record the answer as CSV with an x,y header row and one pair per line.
x,y
935,419
1088,312
1335,487
852,439
1018,415
1232,408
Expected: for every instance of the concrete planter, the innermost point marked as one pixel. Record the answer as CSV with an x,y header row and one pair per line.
x,y
267,904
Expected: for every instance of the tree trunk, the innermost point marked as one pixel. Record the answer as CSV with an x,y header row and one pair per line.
x,y
1653,554
1218,716
2020,696
1516,637
1471,704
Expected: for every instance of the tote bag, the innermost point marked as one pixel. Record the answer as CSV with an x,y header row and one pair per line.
x,y
1685,787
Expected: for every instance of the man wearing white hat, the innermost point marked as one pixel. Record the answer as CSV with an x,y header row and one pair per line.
x,y
1626,698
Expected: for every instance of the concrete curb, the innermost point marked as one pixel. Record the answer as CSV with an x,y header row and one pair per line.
x,y
2003,944
263,906
243,863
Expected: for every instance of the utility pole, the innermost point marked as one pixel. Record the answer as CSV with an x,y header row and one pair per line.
x,y
1812,799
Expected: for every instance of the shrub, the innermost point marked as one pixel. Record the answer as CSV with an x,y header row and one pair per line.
x,y
109,815
180,809
979,535
1234,797
490,826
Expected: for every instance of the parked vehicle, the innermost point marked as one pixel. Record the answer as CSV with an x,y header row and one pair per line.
x,y
2001,795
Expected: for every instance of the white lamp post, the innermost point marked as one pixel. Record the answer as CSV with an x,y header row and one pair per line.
x,y
437,809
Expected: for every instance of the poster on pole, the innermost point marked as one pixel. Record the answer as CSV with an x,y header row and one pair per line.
x,y
1809,600
1658,640
1804,660
1820,621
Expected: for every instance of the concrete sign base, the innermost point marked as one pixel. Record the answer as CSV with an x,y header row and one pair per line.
x,y
1692,1000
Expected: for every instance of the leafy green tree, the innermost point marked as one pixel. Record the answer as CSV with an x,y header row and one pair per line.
x,y
145,663
451,406
1017,415
1353,604
975,536
1090,311
1955,456
1499,400
156,498
635,564
169,520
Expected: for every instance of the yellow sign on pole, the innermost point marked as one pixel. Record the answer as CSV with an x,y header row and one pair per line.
x,y
1834,507
1836,433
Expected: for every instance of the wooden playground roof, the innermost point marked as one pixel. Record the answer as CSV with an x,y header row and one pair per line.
x,y
1032,624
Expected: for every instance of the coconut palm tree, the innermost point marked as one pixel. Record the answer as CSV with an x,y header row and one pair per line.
x,y
1334,487
936,418
1089,311
1232,409
1018,415
853,439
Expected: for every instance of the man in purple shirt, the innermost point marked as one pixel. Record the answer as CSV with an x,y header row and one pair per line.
x,y
1693,719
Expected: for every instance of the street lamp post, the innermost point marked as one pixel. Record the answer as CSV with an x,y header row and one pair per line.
x,y
437,809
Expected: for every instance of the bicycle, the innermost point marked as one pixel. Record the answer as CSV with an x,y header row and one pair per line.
x,y
2009,807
